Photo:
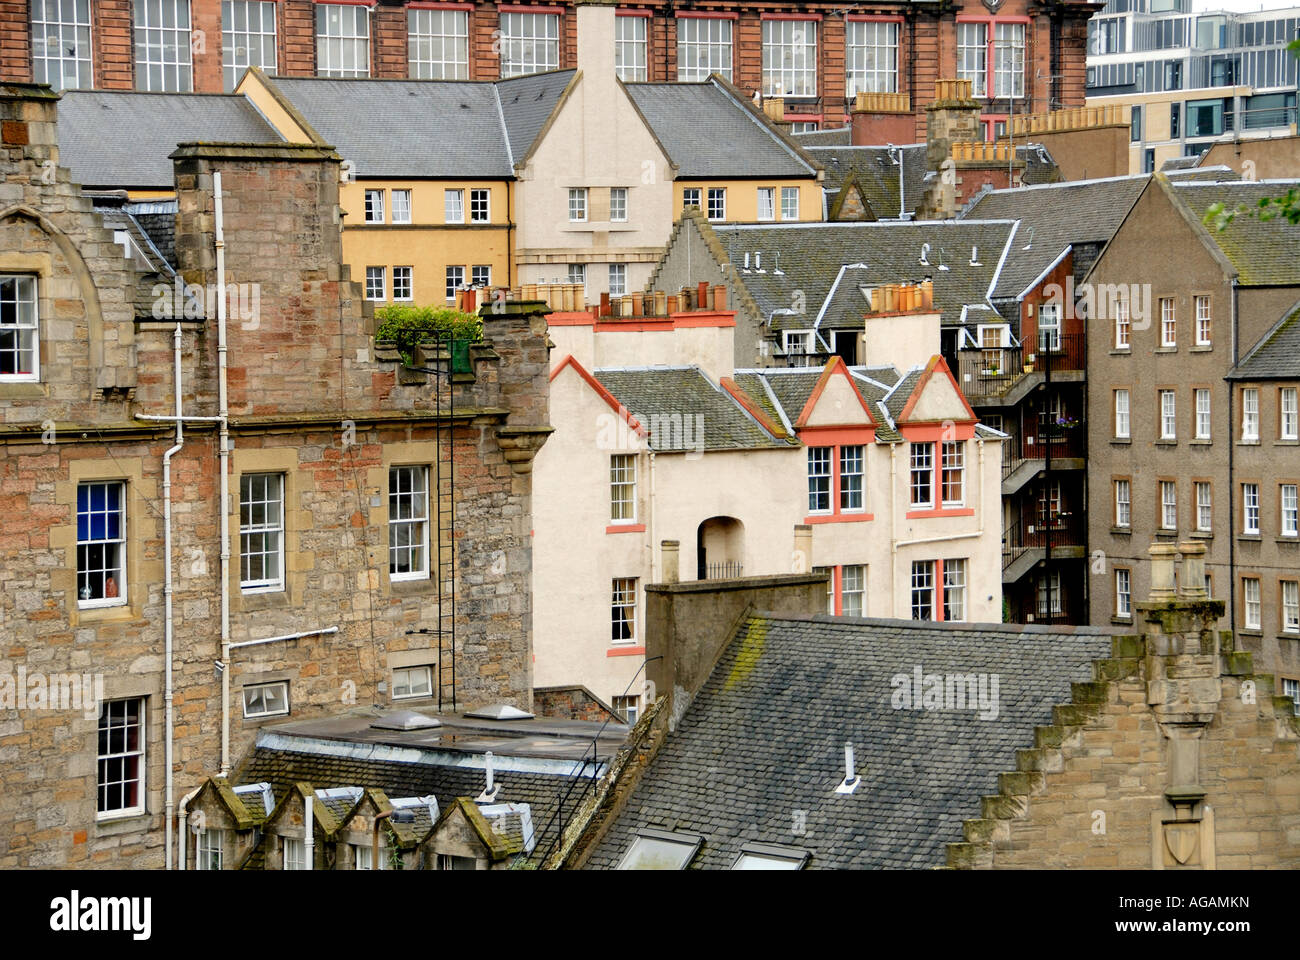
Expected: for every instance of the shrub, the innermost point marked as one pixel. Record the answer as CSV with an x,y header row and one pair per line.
x,y
409,325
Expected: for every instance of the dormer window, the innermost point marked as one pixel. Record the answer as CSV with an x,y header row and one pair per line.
x,y
19,340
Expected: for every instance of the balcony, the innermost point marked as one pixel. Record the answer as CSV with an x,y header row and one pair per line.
x,y
1025,456
726,570
1025,541
1004,375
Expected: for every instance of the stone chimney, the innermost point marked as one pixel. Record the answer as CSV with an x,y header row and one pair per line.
x,y
953,117
670,561
596,43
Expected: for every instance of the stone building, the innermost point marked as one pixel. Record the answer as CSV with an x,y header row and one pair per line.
x,y
339,545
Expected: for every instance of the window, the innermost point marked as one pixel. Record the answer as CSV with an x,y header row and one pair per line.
x,y
953,474
120,758
1006,58
1123,325
437,43
376,283
853,590
19,329
1168,323
872,60
1250,596
1049,328
1168,415
162,46
1250,508
1290,606
1121,415
261,531
453,206
766,856
804,126
922,477
266,700
922,589
691,198
1203,321
1135,123
342,40
1168,505
101,544
577,273
1174,77
363,856
1291,688
1123,593
61,51
401,206
767,203
829,573
630,48
1123,503
789,203
374,206
247,38
1175,116
408,523
1287,422
660,850
1202,413
402,283
1290,518
577,204
819,479
790,58
617,279
628,707
954,590
622,488
479,206
1250,415
972,56
717,203
293,853
851,478
703,47
209,849
480,275
623,611
530,43
1048,591
1204,506
412,682
455,280
618,198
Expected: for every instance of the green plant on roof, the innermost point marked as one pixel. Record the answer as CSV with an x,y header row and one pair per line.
x,y
409,325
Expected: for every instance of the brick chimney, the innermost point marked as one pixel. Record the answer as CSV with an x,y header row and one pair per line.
x,y
879,118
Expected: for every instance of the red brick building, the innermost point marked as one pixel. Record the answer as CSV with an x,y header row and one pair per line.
x,y
814,54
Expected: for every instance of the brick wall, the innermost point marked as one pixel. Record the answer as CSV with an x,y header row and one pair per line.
x,y
15,42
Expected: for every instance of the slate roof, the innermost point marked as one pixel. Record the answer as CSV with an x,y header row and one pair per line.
x,y
708,133
902,391
809,257
122,138
1182,163
1263,252
764,739
783,392
1053,217
1277,354
1039,166
650,393
527,103
840,136
875,174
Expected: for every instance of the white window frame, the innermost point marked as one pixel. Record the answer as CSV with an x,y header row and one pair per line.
x,y
1204,506
480,275
1123,592
623,609
404,679
115,721
1204,321
766,203
267,491
437,44
618,198
691,197
293,853
115,547
1250,602
1168,322
853,584
577,204
163,57
617,279
1290,509
821,486
954,589
1123,503
251,692
376,283
622,488
717,198
52,35
342,40
1250,508
922,595
789,58
480,205
973,55
20,327
1008,60
530,43
1123,423
631,48
455,279
1289,591
1047,594
453,206
401,206
408,521
576,273
1168,505
871,57
953,461
1123,324
1250,415
703,48
1203,423
789,203
921,474
627,706
1288,414
210,849
403,283
853,467
1168,415
1049,328
374,206
247,27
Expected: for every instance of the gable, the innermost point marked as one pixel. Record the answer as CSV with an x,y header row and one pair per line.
x,y
838,404
939,399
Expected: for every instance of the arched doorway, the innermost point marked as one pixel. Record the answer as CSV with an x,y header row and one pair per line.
x,y
720,549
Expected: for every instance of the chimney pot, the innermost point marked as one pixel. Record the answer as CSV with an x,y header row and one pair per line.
x,y
1162,571
719,297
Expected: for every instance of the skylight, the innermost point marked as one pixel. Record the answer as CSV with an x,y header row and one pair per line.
x,y
499,711
767,856
660,850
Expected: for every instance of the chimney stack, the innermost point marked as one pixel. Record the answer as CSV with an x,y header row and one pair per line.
x,y
670,561
802,548
1163,575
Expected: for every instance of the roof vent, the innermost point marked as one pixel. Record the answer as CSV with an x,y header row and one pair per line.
x,y
942,265
975,257
925,254
1030,242
499,711
405,720
851,780
758,262
492,788
746,267
776,269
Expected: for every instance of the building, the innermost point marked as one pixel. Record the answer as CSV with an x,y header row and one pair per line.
x,y
324,527
1193,78
815,55
788,740
1174,449
877,475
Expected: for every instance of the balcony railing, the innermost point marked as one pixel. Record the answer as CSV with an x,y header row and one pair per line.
x,y
991,371
726,570
1033,531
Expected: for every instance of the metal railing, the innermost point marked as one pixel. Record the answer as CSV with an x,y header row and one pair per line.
x,y
1035,529
726,570
992,371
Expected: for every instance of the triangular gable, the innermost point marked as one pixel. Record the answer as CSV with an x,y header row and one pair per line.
x,y
218,790
294,801
464,814
850,203
571,361
834,400
936,397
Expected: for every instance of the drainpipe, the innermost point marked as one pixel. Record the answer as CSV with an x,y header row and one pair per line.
x,y
182,816
309,842
1232,493
374,844
168,630
223,462
893,530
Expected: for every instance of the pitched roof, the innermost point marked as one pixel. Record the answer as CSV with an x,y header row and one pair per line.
x,y
783,392
1277,354
709,133
1052,217
122,138
764,739
684,410
875,174
1262,251
840,136
527,102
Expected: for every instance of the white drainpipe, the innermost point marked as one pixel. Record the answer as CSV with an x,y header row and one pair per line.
x,y
309,844
182,816
168,632
223,461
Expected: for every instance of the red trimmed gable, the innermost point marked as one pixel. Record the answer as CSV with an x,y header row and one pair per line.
x,y
571,361
936,365
835,366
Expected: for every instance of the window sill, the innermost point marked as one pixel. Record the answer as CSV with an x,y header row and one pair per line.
x,y
839,517
1250,631
1289,541
1121,441
1248,443
1201,441
1249,537
1117,618
1286,442
1121,531
1166,348
1201,348
625,528
414,586
107,614
21,389
944,512
625,652
250,600
1166,442
1201,534
112,825
1119,352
